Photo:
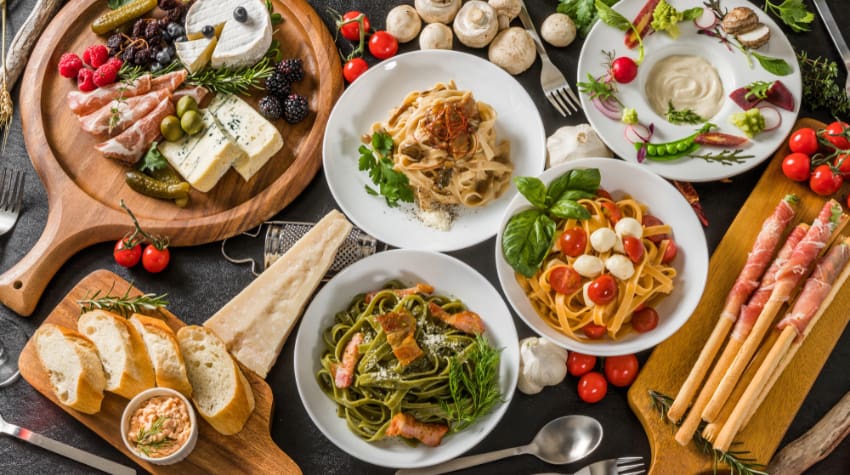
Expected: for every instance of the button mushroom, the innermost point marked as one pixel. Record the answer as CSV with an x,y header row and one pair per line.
x,y
476,24
436,36
506,11
437,11
403,22
558,30
572,142
513,50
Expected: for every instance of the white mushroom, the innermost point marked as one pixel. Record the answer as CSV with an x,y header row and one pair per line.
x,y
476,24
588,266
436,36
558,30
513,50
404,23
620,266
437,11
506,10
572,142
603,239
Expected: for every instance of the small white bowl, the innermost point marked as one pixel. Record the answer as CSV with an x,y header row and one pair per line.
x,y
137,401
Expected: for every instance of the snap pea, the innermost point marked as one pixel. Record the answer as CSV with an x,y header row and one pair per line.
x,y
665,152
152,187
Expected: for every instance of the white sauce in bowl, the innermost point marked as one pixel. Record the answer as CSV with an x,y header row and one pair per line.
x,y
686,81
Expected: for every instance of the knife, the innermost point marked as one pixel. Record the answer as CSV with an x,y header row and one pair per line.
x,y
835,34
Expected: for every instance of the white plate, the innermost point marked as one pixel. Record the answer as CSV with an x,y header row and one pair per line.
x,y
449,276
732,68
381,89
691,262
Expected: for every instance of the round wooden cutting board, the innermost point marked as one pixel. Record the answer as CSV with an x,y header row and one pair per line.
x,y
84,188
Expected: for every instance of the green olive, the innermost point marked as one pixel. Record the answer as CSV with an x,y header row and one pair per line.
x,y
170,128
186,103
191,122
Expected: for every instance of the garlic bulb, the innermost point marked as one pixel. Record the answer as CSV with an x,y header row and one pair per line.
x,y
572,142
541,363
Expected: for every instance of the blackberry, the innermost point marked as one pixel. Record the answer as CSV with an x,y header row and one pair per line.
x,y
292,69
295,108
278,85
271,107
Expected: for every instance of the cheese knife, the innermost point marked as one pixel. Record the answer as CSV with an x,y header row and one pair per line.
x,y
837,38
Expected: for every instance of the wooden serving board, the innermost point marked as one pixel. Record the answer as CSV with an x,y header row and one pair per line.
x,y
250,451
84,188
670,363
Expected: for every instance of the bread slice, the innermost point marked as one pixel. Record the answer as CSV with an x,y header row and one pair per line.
x,y
164,353
122,352
221,392
73,366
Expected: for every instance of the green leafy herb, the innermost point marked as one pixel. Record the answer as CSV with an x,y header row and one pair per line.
x,y
757,90
820,89
685,116
473,383
724,157
595,88
793,13
153,160
777,66
122,304
234,81
113,4
611,17
146,445
393,185
583,13
528,235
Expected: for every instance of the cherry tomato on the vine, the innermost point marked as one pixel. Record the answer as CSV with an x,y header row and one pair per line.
x,y
624,69
634,248
804,141
594,331
383,45
592,387
797,166
602,289
351,31
670,252
573,242
824,181
579,364
842,164
155,260
835,134
644,319
127,256
354,68
621,371
565,280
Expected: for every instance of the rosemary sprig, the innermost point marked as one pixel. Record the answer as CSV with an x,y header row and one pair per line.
x,y
234,81
738,461
684,116
129,73
156,428
473,383
724,157
122,304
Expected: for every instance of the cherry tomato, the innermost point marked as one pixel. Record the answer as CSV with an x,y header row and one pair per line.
x,y
602,289
594,331
824,181
155,260
634,248
611,211
592,387
834,133
670,252
644,319
354,68
621,371
842,164
351,31
650,220
573,242
565,280
383,45
797,166
804,141
124,256
603,193
579,364
624,69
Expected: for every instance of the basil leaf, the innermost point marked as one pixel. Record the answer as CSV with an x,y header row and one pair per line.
x,y
611,18
776,66
527,239
532,189
585,179
569,209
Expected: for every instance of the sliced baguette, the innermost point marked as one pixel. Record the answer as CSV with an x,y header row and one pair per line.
x,y
164,353
220,391
73,365
122,352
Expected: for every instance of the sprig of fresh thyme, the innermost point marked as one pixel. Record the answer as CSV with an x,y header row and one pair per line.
x,y
724,157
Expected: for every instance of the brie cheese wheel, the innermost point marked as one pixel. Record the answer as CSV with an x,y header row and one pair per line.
x,y
255,135
239,43
195,54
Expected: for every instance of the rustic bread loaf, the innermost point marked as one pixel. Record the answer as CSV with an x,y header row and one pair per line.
x,y
73,367
164,353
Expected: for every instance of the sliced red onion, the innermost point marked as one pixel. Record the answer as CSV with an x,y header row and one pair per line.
x,y
637,133
772,117
613,115
706,20
641,154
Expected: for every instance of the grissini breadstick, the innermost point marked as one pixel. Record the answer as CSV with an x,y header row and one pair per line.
x,y
757,260
787,279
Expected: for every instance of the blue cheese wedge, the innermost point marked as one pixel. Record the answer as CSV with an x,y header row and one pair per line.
x,y
195,54
239,43
256,136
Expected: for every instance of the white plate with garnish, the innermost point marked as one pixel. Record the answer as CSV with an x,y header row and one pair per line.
x,y
717,66
373,97
449,277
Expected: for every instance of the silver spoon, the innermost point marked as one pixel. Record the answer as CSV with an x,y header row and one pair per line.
x,y
561,441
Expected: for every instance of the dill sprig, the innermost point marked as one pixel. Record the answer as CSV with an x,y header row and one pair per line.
x,y
234,81
739,461
724,157
147,446
122,304
684,116
473,383
820,89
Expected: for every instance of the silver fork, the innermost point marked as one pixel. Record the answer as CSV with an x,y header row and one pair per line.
x,y
11,196
555,86
837,38
620,466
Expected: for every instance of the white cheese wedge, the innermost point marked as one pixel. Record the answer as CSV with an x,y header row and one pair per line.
x,y
202,159
255,324
195,54
239,43
256,136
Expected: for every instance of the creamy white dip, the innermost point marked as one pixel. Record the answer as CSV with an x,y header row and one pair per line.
x,y
686,81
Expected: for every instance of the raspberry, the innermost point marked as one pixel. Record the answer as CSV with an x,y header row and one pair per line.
x,y
69,65
85,80
96,55
105,75
116,61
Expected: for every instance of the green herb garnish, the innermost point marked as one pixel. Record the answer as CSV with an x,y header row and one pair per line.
x,y
611,17
757,90
777,66
473,383
665,17
603,90
129,73
724,157
793,13
583,13
377,160
820,89
147,446
684,116
153,159
234,81
122,304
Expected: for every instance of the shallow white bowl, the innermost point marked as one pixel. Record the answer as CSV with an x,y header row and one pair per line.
x,y
137,401
691,263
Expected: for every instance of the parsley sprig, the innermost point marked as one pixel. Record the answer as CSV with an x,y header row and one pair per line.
x,y
393,185
793,13
473,383
583,13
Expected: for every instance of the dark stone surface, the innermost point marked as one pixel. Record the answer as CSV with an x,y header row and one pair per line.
x,y
199,282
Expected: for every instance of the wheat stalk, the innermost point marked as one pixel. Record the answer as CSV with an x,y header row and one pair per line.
x,y
7,109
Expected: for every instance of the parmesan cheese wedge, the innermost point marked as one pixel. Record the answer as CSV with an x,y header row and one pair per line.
x,y
255,324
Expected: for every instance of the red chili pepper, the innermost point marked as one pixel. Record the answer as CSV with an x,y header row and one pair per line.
x,y
690,194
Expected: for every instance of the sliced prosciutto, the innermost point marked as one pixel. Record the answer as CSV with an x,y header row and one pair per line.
x,y
400,328
116,116
419,288
84,103
344,372
170,81
465,321
199,93
130,145
405,425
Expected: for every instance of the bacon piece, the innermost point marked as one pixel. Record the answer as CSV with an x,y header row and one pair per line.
x,y
83,103
199,93
170,81
405,425
121,114
816,289
465,321
130,145
344,372
419,288
400,328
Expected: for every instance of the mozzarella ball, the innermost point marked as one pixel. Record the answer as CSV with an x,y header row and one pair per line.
x,y
587,300
618,246
629,227
620,266
588,266
603,239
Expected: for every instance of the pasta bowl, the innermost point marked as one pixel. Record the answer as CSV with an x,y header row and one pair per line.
x,y
621,178
449,277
